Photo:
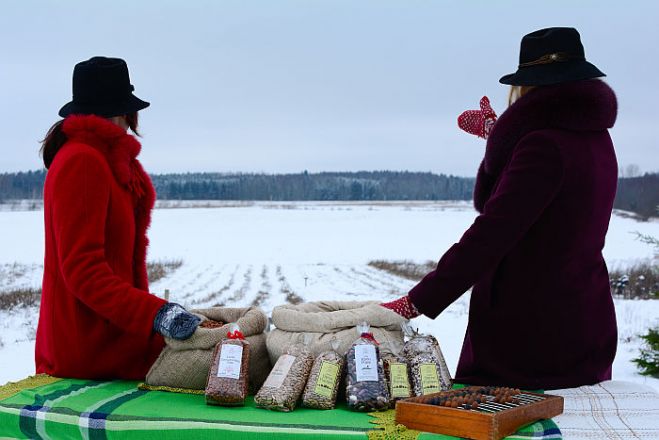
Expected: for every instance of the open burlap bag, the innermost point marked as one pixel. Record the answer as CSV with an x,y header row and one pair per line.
x,y
185,364
326,320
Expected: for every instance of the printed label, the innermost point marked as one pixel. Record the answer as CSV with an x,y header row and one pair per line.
x,y
327,377
429,379
280,371
231,359
366,362
400,382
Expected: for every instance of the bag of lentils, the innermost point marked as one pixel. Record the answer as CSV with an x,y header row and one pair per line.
x,y
396,374
324,379
228,377
428,369
285,383
366,387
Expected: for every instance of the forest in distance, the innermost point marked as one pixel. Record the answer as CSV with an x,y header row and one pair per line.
x,y
639,194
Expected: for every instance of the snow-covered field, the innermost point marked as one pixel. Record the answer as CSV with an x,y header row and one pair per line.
x,y
267,253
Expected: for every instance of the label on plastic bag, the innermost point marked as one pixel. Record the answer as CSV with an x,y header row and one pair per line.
x,y
327,377
280,371
400,383
366,362
231,357
429,379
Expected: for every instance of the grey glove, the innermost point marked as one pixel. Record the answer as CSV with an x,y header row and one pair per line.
x,y
173,321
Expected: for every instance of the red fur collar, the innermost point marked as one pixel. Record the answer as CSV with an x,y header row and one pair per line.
x,y
119,148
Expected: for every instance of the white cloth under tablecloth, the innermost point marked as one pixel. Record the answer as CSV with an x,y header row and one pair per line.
x,y
613,410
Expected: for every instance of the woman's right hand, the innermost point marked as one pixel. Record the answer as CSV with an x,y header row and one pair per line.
x,y
478,122
173,321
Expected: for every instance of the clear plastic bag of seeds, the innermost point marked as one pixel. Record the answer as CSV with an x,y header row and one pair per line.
x,y
285,383
228,377
366,387
396,373
323,384
418,344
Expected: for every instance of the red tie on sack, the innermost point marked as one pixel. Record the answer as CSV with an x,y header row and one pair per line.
x,y
237,334
478,122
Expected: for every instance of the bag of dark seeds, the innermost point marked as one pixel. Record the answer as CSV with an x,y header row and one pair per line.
x,y
426,345
228,377
396,374
323,384
286,381
366,387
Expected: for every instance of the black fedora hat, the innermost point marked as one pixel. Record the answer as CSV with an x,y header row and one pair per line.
x,y
551,56
101,86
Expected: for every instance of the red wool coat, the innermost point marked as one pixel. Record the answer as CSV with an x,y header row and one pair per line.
x,y
541,313
96,312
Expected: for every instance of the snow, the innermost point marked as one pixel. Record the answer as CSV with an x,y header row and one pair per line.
x,y
239,253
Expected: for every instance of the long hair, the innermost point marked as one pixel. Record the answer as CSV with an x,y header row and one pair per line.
x,y
56,138
517,92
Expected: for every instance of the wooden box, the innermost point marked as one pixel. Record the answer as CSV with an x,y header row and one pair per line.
x,y
474,424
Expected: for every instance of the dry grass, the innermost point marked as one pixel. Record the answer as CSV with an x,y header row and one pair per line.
x,y
19,298
157,270
404,268
640,281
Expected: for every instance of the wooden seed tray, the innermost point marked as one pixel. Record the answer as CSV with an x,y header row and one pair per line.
x,y
415,413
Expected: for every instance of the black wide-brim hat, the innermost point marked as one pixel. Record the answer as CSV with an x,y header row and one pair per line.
x,y
101,86
551,56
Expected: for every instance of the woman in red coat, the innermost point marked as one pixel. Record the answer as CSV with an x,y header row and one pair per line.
x,y
541,312
97,318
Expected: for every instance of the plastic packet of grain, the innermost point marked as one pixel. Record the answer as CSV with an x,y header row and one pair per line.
x,y
323,384
228,377
366,387
425,360
396,373
285,383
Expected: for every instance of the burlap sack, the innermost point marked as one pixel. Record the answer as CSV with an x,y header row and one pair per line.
x,y
326,320
185,364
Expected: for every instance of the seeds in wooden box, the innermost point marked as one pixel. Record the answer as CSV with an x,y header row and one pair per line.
x,y
228,377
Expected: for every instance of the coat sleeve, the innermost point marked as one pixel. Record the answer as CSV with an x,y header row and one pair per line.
x,y
81,196
528,184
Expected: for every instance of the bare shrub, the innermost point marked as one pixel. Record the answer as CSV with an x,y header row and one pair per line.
x,y
640,281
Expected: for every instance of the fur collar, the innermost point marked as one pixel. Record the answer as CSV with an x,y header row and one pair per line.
x,y
587,105
120,150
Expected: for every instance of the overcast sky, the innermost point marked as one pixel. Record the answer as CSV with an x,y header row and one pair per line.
x,y
284,86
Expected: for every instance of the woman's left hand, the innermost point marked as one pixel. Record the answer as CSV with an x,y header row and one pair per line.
x,y
478,122
403,306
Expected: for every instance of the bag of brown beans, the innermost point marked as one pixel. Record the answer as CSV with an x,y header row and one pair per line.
x,y
366,387
285,383
228,377
323,384
428,369
396,373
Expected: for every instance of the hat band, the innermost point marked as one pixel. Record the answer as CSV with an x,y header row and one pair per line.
x,y
556,57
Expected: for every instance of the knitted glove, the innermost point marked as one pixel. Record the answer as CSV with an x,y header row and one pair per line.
x,y
173,321
403,306
478,122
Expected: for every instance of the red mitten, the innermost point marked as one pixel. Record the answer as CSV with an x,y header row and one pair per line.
x,y
478,122
403,306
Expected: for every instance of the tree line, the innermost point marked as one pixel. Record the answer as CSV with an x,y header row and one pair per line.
x,y
637,194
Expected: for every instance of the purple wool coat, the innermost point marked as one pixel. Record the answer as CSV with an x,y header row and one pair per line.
x,y
541,313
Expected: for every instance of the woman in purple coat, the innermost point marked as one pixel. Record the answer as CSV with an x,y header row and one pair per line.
x,y
541,312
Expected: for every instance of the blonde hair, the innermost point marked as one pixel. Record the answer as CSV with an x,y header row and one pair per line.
x,y
517,92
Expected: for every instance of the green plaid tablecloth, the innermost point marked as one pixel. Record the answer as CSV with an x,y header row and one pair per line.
x,y
74,409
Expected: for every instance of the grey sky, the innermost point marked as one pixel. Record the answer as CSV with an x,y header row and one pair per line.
x,y
283,86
